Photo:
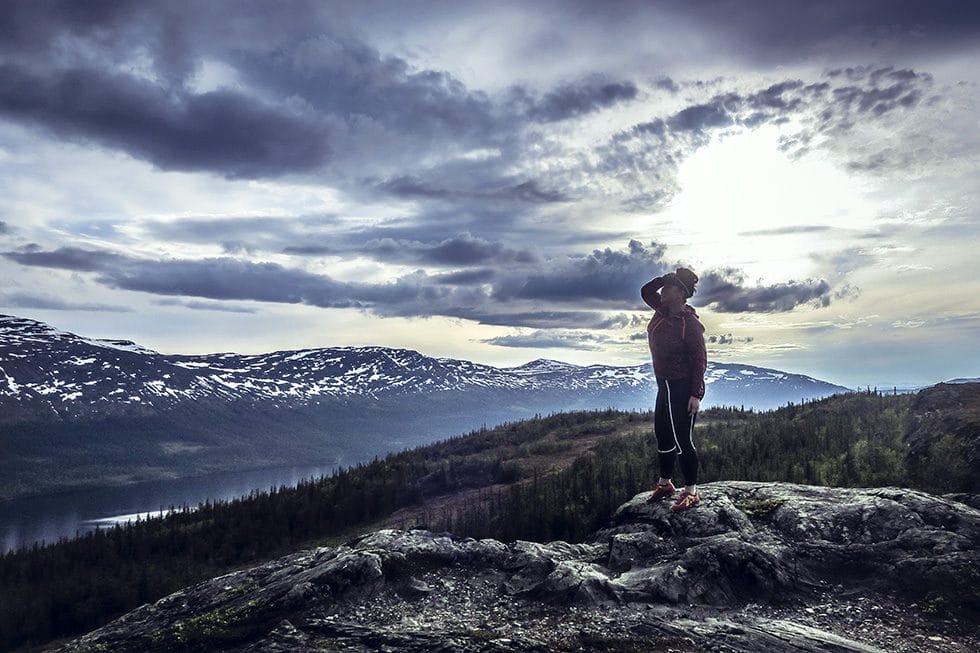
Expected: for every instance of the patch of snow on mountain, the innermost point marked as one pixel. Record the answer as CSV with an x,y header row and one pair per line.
x,y
11,383
191,365
121,345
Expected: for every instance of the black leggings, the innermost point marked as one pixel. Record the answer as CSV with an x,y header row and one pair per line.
x,y
674,427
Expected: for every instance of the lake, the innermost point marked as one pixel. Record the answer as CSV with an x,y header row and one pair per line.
x,y
48,518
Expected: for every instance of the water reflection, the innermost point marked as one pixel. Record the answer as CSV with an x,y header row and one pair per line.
x,y
108,522
24,522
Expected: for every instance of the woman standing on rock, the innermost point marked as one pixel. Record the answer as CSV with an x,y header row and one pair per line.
x,y
676,339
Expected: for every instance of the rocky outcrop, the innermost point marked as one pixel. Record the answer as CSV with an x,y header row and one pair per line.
x,y
739,572
753,541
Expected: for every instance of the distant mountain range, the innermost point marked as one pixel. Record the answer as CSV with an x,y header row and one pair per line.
x,y
77,410
55,374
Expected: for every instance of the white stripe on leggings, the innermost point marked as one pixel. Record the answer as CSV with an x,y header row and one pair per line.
x,y
670,411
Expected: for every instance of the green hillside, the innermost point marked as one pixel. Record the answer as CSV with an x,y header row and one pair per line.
x,y
555,477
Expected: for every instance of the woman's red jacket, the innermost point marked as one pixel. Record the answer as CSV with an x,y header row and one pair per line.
x,y
676,341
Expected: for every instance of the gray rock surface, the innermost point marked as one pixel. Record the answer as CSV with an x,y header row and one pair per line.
x,y
755,567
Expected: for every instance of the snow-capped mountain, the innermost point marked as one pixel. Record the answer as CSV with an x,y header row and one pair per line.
x,y
77,411
44,371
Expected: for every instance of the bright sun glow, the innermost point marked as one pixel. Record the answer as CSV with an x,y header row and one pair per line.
x,y
741,199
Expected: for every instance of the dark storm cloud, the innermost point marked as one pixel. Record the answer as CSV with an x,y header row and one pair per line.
x,y
340,75
32,25
65,258
734,108
303,96
546,339
205,306
222,131
725,292
867,95
877,91
311,250
227,278
230,279
233,279
25,300
463,249
527,294
210,278
878,100
326,235
465,277
302,88
700,117
527,191
540,319
606,276
410,186
170,38
782,32
611,277
5,228
570,100
306,96
728,31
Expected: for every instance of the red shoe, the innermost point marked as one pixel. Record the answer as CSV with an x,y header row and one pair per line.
x,y
685,501
662,491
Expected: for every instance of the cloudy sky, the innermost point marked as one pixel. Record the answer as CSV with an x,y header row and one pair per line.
x,y
495,180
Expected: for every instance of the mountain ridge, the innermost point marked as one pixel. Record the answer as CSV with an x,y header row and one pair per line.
x,y
88,367
81,412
